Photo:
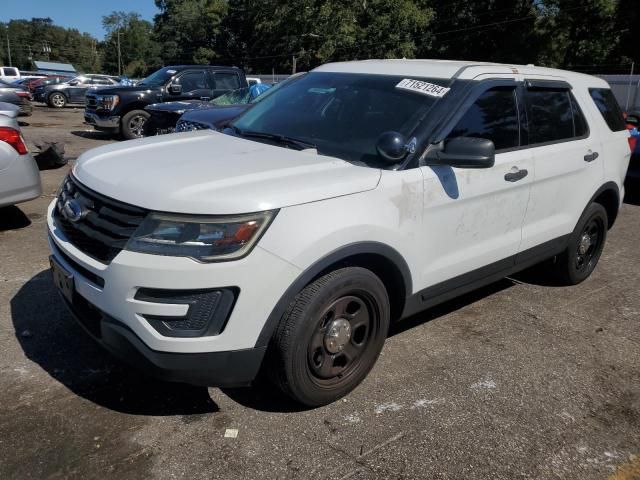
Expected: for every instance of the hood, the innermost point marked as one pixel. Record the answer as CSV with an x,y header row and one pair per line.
x,y
142,90
215,116
178,107
207,172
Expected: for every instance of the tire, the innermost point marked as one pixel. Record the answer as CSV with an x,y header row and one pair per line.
x,y
578,261
57,100
330,336
133,124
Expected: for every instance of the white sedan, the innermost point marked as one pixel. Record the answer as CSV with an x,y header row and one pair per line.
x,y
19,175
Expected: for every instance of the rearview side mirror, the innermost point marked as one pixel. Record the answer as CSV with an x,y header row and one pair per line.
x,y
175,88
463,152
74,83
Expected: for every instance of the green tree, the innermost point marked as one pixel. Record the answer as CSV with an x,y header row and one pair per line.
x,y
40,39
575,34
139,51
187,31
266,34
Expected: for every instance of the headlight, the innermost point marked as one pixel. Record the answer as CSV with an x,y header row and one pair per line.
x,y
107,102
207,239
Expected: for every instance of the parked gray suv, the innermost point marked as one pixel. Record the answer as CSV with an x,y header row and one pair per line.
x,y
73,91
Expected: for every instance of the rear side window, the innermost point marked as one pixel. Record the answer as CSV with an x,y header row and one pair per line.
x,y
227,81
494,116
553,116
609,108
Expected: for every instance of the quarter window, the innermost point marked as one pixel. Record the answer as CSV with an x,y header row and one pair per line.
x,y
609,108
493,116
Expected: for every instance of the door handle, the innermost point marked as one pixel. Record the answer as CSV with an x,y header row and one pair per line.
x,y
591,156
516,174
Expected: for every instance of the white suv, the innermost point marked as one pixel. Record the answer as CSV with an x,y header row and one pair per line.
x,y
358,194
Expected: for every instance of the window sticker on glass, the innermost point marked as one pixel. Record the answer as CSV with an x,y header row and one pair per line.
x,y
171,72
425,88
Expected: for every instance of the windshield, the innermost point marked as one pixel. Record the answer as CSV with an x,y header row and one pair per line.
x,y
235,97
158,78
342,114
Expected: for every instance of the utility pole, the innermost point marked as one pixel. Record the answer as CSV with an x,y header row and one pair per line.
x,y
294,65
46,48
119,56
9,49
628,88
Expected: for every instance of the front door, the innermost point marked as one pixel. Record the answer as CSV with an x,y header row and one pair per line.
x,y
473,217
194,86
76,92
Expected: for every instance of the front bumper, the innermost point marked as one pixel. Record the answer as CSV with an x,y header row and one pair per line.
x,y
26,109
102,123
121,323
221,369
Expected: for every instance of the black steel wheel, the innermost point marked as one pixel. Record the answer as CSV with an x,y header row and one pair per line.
x,y
580,258
330,337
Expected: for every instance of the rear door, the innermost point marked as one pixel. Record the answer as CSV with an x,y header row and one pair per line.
x,y
473,217
567,157
225,82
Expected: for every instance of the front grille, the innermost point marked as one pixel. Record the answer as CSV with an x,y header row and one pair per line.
x,y
91,102
187,126
105,225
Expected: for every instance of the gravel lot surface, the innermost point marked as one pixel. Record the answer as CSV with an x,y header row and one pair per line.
x,y
515,381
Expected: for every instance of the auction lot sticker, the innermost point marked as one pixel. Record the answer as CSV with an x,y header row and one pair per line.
x,y
425,88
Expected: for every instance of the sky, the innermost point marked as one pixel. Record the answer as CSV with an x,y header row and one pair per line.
x,y
85,15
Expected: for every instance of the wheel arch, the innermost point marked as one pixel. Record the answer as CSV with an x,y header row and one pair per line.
x,y
386,262
133,106
608,195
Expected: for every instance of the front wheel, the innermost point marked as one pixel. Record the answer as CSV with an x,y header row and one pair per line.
x,y
57,100
133,124
580,258
330,336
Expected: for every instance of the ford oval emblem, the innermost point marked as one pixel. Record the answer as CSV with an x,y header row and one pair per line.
x,y
73,211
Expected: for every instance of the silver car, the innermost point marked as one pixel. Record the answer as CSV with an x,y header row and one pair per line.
x,y
19,175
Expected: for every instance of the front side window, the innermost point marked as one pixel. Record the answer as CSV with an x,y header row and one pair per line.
x,y
342,114
493,116
609,108
550,115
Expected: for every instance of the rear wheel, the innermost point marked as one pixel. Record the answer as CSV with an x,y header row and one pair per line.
x,y
57,100
133,124
330,337
580,258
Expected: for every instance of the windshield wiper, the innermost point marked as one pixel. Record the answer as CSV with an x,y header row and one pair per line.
x,y
283,139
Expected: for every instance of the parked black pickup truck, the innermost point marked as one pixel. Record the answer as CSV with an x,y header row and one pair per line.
x,y
121,109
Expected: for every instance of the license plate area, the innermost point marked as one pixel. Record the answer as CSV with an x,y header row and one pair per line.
x,y
62,279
